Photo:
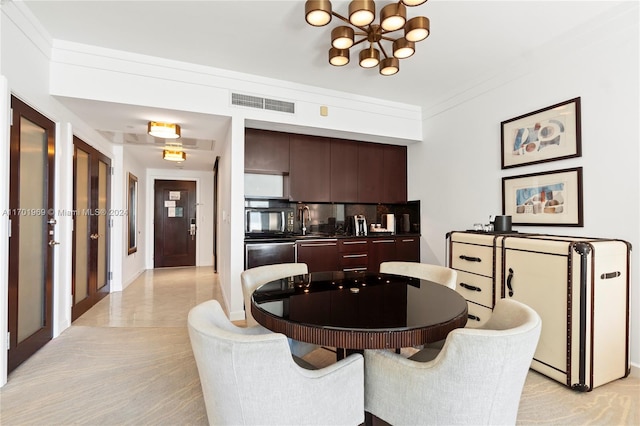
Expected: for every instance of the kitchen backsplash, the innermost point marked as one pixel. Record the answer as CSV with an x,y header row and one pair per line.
x,y
336,219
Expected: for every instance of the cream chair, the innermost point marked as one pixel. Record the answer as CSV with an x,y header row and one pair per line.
x,y
434,273
477,377
248,377
253,278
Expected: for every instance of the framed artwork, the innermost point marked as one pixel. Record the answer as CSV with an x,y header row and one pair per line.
x,y
132,212
544,199
549,134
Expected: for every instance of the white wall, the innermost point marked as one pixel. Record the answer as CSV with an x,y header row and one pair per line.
x,y
134,264
601,67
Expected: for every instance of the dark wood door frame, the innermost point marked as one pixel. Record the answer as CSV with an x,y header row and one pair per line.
x,y
174,245
94,294
20,351
215,214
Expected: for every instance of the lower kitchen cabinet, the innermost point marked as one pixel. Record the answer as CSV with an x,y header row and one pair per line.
x,y
353,254
319,255
335,254
381,249
579,287
408,248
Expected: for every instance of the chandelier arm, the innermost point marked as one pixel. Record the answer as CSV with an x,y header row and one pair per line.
x,y
387,38
382,49
359,41
385,32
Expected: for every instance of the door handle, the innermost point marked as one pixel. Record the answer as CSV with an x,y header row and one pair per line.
x,y
470,258
95,236
509,286
53,243
192,227
470,287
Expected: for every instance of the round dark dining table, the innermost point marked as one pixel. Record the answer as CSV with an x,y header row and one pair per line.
x,y
359,310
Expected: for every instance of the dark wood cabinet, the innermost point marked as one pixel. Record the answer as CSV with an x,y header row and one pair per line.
x,y
266,152
319,255
370,172
381,249
310,168
408,249
319,169
353,254
344,171
394,174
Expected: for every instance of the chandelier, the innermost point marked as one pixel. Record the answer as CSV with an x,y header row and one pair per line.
x,y
393,17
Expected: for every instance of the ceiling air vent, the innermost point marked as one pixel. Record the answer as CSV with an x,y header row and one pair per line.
x,y
262,103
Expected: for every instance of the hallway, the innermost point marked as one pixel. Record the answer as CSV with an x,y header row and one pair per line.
x,y
126,361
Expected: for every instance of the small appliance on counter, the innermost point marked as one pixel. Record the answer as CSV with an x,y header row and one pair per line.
x,y
389,223
360,225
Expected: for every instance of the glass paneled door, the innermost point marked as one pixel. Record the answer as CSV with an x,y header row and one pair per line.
x,y
90,226
31,242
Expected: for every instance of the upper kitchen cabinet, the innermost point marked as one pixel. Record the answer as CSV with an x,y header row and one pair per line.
x,y
266,152
370,172
394,172
310,168
344,171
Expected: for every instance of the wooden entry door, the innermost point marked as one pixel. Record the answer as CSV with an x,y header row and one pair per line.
x,y
32,231
91,183
174,223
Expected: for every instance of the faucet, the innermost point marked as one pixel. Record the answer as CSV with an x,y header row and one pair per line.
x,y
304,227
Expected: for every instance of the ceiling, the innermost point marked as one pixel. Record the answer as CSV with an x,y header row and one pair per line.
x,y
470,42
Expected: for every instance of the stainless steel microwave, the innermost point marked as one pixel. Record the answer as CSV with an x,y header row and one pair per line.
x,y
268,220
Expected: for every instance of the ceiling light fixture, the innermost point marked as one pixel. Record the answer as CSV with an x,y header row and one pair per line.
x,y
163,130
393,17
174,155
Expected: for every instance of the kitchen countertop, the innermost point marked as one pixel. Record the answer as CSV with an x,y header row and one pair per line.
x,y
293,238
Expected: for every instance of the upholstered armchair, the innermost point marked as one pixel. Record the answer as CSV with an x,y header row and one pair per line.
x,y
477,377
424,271
255,277
434,273
248,377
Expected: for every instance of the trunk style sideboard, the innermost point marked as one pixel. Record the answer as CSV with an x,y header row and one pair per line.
x,y
579,287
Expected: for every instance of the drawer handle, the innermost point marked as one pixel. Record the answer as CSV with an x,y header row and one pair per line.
x,y
473,317
383,241
610,275
470,287
354,242
318,245
354,269
346,256
509,278
470,259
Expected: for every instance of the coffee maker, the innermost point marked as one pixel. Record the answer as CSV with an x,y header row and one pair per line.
x,y
360,225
